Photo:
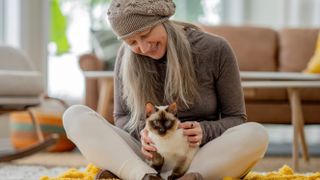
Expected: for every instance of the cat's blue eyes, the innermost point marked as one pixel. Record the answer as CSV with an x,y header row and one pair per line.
x,y
167,124
156,123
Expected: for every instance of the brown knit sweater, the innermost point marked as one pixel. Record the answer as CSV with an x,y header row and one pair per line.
x,y
221,105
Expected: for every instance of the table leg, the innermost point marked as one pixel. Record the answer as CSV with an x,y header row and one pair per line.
x,y
298,127
305,151
301,134
105,98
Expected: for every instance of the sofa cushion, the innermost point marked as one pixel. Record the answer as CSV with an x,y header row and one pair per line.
x,y
255,47
297,46
18,102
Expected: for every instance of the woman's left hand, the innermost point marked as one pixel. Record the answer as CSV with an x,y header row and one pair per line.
x,y
193,131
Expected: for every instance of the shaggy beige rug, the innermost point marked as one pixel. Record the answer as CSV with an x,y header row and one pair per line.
x,y
75,159
284,173
56,164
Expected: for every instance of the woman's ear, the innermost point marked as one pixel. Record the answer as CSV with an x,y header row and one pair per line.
x,y
149,109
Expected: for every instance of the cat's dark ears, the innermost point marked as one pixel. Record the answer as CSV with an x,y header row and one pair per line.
x,y
149,109
172,108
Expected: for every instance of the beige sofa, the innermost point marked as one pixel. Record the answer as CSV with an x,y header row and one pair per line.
x,y
256,49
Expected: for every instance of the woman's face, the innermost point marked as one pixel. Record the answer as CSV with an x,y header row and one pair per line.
x,y
151,42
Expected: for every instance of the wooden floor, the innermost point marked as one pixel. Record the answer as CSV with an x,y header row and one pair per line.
x,y
75,159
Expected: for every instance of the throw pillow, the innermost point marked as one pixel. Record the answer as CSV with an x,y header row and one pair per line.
x,y
314,63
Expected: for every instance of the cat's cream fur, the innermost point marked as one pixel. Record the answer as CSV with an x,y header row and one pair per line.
x,y
172,145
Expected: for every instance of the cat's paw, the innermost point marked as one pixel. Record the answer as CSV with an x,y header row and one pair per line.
x,y
152,177
174,176
157,161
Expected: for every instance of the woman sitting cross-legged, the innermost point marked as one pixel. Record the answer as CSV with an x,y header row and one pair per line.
x,y
163,61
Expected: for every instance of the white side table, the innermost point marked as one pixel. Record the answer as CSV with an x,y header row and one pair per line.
x,y
292,82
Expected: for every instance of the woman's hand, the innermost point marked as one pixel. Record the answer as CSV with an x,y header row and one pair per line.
x,y
147,145
193,131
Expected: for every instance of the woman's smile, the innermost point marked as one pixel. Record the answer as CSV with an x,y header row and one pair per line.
x,y
151,42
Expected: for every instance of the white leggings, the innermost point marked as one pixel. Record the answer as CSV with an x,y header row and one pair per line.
x,y
233,153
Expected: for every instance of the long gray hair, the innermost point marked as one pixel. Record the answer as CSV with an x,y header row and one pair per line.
x,y
140,78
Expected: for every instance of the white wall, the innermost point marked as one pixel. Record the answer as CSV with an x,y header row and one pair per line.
x,y
26,26
34,32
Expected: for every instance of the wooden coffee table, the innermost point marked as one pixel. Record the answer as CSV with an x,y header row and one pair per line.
x,y
292,82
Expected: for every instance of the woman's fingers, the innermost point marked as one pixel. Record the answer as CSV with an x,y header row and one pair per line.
x,y
146,154
146,149
149,148
146,142
189,125
193,131
144,137
193,139
194,144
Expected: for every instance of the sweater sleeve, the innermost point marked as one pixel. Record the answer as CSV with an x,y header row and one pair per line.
x,y
229,92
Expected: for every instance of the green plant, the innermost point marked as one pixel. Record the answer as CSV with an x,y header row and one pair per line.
x,y
59,24
58,28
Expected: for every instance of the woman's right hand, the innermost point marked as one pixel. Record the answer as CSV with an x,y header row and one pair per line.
x,y
147,145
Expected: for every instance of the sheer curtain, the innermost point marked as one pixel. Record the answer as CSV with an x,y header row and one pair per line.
x,y
304,13
271,13
1,21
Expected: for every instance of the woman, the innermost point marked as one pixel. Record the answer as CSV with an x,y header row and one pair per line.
x,y
163,61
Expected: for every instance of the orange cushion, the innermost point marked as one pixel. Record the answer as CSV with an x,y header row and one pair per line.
x,y
22,132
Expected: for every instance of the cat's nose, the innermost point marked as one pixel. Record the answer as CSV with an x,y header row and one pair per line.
x,y
162,130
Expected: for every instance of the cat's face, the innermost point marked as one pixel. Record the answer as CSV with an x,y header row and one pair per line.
x,y
161,119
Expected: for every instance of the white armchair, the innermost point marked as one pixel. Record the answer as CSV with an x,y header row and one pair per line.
x,y
21,89
20,84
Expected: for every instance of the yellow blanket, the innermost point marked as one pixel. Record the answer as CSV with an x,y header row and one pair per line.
x,y
284,173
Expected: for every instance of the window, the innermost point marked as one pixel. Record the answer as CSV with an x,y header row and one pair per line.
x,y
65,78
1,21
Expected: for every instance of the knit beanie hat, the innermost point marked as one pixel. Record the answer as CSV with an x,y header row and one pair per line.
x,y
128,17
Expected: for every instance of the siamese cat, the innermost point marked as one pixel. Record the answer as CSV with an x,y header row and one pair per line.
x,y
173,150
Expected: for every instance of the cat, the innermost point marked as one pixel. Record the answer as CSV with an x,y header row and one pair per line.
x,y
173,150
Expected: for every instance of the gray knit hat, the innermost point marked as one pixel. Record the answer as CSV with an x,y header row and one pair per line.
x,y
128,17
